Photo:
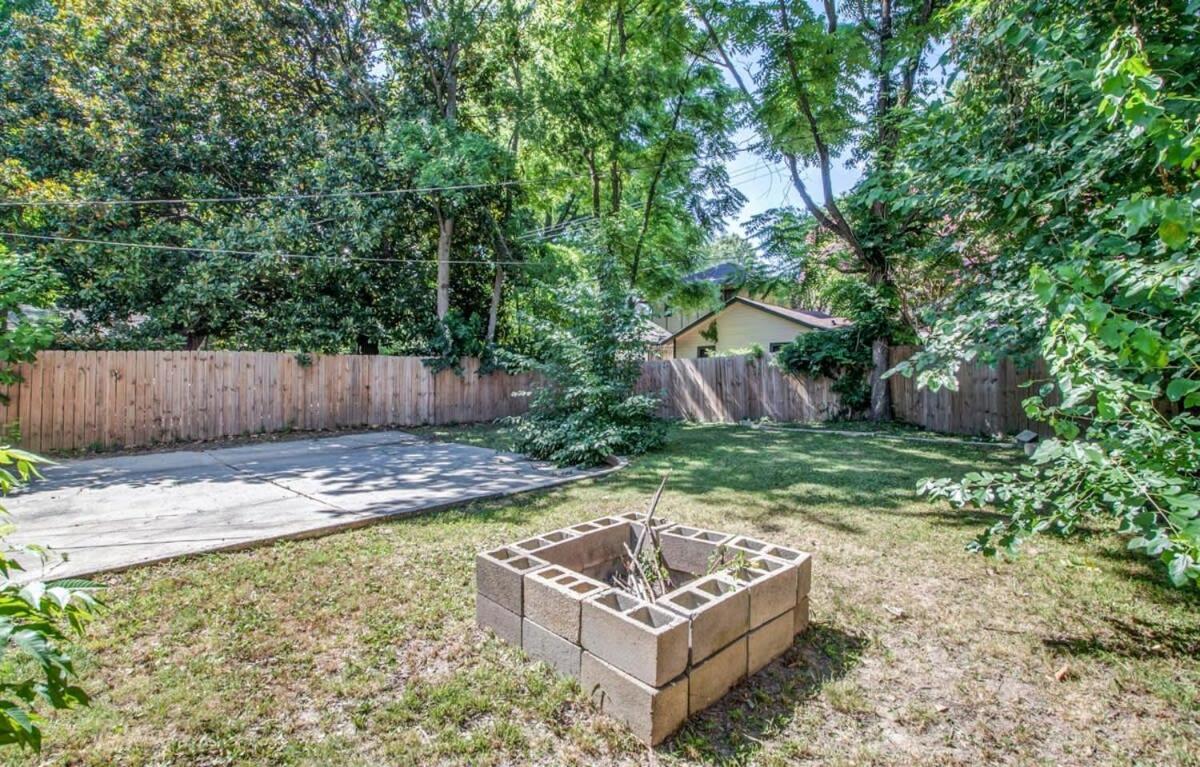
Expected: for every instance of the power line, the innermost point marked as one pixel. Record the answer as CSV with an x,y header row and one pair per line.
x,y
572,226
344,194
233,252
741,176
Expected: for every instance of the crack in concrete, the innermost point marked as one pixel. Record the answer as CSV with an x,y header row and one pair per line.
x,y
251,475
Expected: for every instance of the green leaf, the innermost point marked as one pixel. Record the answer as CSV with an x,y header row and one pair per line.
x,y
1178,569
1181,387
1176,223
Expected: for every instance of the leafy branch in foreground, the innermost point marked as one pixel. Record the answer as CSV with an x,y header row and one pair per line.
x,y
35,619
1069,159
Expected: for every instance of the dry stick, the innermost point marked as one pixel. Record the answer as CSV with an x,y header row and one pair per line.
x,y
647,529
635,569
637,548
664,572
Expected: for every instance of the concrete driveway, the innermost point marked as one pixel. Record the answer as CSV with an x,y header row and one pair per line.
x,y
111,513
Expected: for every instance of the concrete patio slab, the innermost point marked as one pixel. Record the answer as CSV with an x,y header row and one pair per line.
x,y
112,513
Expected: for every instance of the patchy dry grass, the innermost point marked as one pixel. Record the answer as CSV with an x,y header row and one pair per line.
x,y
360,649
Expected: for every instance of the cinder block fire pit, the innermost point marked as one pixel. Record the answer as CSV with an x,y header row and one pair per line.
x,y
737,604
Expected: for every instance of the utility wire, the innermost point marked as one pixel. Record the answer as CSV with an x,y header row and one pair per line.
x,y
743,176
233,252
542,235
14,203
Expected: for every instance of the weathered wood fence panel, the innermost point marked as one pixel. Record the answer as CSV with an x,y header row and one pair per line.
x,y
74,400
730,389
988,400
71,400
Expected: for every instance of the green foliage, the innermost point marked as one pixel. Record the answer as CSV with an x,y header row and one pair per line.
x,y
590,360
27,289
822,84
619,128
1068,156
621,87
457,338
753,351
35,618
710,332
844,354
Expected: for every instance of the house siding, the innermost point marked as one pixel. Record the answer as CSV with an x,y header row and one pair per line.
x,y
681,318
738,327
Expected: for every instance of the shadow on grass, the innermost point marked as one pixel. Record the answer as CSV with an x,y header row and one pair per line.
x,y
770,479
761,707
1132,638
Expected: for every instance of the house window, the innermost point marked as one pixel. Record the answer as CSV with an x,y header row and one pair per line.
x,y
777,346
705,351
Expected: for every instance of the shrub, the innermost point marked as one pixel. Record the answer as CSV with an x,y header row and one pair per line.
x,y
1069,157
753,351
844,354
34,620
591,359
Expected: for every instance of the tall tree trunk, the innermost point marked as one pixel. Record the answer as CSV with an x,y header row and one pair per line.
x,y
446,222
881,399
503,254
494,309
445,234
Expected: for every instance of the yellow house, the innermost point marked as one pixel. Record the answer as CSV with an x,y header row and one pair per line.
x,y
741,323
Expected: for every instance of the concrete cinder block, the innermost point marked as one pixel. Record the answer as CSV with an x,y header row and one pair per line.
x,y
547,646
800,618
504,623
498,575
718,611
590,546
637,517
537,542
767,642
642,640
772,586
801,559
716,676
553,596
691,549
651,713
803,577
607,521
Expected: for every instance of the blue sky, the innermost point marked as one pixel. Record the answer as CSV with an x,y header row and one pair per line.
x,y
768,185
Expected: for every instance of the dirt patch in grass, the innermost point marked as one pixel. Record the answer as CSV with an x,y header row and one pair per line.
x,y
360,649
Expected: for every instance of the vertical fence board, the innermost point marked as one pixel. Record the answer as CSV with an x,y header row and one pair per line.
x,y
988,400
73,400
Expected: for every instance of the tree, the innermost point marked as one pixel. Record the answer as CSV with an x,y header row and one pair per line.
x,y
27,290
1067,156
148,103
343,175
806,96
591,358
434,44
635,124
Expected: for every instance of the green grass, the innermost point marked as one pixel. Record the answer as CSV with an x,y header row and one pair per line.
x,y
360,648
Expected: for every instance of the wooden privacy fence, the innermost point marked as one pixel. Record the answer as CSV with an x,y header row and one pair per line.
x,y
78,400
74,400
988,400
730,389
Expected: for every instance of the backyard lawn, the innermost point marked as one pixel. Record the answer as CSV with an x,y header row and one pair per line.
x,y
361,649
